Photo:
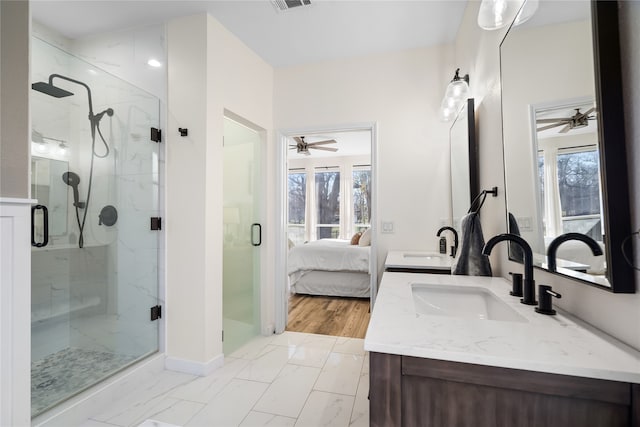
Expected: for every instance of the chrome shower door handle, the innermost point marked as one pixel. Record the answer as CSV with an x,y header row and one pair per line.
x,y
45,226
253,234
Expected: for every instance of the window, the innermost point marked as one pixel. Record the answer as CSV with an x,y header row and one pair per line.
x,y
361,197
327,203
297,184
579,186
569,181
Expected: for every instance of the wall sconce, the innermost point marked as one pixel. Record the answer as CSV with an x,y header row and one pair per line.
x,y
496,14
41,145
457,92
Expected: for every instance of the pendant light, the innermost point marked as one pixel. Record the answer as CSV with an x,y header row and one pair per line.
x,y
496,14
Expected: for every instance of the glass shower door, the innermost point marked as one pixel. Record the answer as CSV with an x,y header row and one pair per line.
x,y
96,170
242,234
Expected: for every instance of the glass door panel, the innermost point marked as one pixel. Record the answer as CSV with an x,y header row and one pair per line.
x,y
242,234
96,170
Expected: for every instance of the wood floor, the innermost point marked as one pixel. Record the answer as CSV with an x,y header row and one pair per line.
x,y
338,316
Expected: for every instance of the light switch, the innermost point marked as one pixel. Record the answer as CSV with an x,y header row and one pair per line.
x,y
387,227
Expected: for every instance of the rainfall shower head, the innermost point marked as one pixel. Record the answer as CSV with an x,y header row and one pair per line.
x,y
51,90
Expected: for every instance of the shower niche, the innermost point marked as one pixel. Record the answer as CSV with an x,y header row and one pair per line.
x,y
95,170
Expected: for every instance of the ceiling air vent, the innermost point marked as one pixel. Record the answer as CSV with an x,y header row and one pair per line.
x,y
282,5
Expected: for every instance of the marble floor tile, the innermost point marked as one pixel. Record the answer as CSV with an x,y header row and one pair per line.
x,y
319,341
260,419
289,338
349,346
204,389
230,406
326,410
155,423
360,413
143,398
253,348
94,423
173,412
340,374
266,367
288,392
309,356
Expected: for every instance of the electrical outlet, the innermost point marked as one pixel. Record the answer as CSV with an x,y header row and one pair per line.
x,y
525,223
387,227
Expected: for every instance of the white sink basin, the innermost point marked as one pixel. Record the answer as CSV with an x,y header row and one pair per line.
x,y
422,256
468,302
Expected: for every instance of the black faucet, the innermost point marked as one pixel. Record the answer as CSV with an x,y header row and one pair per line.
x,y
529,285
454,248
553,247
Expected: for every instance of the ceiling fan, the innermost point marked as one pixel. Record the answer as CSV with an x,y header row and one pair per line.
x,y
303,147
578,120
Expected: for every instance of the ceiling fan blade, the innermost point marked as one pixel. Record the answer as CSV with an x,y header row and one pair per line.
x,y
589,111
329,141
553,120
555,125
565,129
298,140
324,148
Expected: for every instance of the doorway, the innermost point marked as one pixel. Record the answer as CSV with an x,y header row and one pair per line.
x,y
242,210
327,178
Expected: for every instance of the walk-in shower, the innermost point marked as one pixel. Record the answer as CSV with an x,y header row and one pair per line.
x,y
95,279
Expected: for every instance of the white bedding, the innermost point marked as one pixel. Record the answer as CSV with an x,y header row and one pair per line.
x,y
329,256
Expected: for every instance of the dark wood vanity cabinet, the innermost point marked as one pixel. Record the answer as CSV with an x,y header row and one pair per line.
x,y
410,391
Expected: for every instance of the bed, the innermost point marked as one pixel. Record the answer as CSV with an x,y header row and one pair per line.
x,y
331,267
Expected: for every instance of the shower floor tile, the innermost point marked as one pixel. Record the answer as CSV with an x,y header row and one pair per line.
x,y
65,373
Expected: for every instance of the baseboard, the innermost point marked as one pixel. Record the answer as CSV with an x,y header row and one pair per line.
x,y
192,367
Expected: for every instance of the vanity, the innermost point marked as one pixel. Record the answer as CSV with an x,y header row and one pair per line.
x,y
418,262
478,357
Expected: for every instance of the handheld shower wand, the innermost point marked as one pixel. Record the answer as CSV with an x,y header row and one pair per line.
x,y
72,180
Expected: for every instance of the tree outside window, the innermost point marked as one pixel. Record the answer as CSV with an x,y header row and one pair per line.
x,y
327,204
297,187
361,198
579,185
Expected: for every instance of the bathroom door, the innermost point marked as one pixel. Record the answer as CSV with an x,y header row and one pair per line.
x,y
242,231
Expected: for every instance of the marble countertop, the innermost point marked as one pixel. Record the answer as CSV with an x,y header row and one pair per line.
x,y
418,260
560,344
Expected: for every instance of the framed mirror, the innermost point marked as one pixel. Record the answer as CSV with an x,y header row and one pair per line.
x,y
464,162
563,136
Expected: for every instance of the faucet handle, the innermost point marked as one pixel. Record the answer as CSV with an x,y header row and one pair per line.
x,y
516,287
545,293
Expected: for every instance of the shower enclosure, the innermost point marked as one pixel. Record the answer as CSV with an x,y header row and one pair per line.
x,y
94,255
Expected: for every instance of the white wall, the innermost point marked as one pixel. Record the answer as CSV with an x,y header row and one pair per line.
x,y
210,70
616,314
401,91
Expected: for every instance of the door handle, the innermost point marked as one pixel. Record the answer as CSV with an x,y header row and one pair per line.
x,y
253,234
45,226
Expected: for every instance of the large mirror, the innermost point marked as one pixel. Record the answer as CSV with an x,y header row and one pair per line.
x,y
464,162
564,147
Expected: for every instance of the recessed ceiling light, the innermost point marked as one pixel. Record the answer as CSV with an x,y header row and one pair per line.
x,y
154,63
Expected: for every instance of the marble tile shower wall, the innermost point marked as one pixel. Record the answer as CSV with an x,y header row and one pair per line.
x,y
65,282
